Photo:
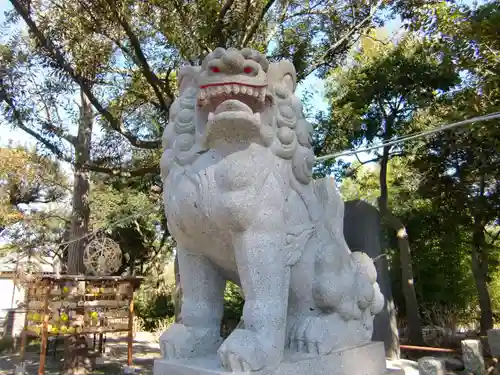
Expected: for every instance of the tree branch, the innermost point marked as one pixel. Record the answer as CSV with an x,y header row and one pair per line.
x,y
124,172
342,40
217,30
253,29
178,6
59,59
142,62
494,238
351,172
20,124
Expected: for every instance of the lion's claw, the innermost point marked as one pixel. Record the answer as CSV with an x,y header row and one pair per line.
x,y
231,362
322,334
179,341
244,351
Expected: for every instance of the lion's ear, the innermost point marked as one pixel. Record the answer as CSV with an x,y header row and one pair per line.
x,y
187,76
284,73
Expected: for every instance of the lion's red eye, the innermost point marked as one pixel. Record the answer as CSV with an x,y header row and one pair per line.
x,y
248,70
215,69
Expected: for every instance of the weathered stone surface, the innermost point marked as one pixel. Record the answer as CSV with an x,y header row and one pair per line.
x,y
472,354
365,359
494,342
362,233
405,366
431,366
242,206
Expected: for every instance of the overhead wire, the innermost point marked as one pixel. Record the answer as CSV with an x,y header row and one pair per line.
x,y
490,116
406,138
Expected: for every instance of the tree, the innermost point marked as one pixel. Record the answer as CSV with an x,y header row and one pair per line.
x,y
121,57
374,100
461,168
32,192
440,242
26,178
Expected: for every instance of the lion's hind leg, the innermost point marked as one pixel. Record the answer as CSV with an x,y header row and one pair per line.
x,y
346,298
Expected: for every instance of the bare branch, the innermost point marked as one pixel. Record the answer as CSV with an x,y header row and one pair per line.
x,y
60,132
359,26
124,172
217,29
351,172
383,42
20,124
253,29
143,62
84,84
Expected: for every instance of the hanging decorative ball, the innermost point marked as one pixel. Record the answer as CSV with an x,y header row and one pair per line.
x,y
102,256
23,276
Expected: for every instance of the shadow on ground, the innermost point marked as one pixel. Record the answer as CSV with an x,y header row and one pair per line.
x,y
145,350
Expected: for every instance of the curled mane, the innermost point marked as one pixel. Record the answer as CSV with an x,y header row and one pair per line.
x,y
289,131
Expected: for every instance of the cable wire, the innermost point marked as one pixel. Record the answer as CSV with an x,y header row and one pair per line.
x,y
491,116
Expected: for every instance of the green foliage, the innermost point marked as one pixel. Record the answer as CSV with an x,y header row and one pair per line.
x,y
376,97
6,344
441,262
33,188
153,309
443,187
233,303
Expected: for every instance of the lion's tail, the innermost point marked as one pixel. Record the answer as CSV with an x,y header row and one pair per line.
x,y
331,204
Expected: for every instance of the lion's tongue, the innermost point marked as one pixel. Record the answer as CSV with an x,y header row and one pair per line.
x,y
232,105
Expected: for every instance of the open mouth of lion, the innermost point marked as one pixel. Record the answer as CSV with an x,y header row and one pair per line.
x,y
217,102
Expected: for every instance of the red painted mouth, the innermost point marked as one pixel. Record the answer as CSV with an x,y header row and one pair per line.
x,y
230,83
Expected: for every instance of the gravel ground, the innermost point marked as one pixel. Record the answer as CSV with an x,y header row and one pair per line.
x,y
145,350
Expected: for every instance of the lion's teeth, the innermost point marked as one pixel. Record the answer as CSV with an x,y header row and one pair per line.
x,y
243,89
249,91
235,89
227,89
202,95
262,94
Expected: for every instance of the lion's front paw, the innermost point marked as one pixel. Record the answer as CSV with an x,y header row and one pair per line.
x,y
245,350
323,334
180,341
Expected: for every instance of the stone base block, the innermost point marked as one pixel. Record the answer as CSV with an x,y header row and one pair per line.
x,y
367,359
20,369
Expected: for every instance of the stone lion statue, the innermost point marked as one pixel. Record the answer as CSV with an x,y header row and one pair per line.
x,y
242,206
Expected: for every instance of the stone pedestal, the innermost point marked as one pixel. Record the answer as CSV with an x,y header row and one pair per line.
x,y
431,366
367,359
472,355
494,342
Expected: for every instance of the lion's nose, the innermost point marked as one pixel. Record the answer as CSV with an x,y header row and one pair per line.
x,y
233,61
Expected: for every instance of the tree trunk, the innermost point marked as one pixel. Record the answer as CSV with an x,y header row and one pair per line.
x,y
77,357
412,309
81,185
480,267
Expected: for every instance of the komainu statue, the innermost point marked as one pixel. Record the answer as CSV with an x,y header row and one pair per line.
x,y
242,206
